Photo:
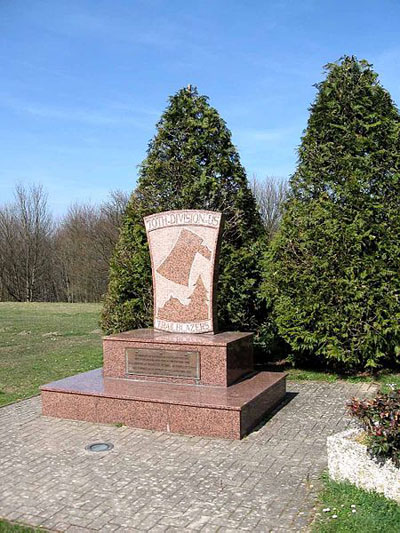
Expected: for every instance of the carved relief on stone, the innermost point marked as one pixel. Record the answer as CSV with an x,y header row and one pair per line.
x,y
183,249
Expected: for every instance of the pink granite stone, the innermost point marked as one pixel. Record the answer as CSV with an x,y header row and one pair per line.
x,y
264,403
229,412
204,422
224,357
239,359
145,415
114,360
184,247
162,337
74,406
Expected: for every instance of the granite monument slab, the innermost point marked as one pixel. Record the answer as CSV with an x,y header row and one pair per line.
x,y
184,249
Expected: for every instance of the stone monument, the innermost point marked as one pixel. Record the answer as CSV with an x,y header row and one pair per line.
x,y
184,249
182,376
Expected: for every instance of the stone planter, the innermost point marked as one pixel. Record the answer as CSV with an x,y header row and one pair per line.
x,y
348,460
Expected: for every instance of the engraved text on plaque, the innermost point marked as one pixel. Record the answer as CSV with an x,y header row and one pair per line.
x,y
162,363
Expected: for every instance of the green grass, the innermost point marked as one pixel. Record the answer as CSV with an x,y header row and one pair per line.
x,y
8,527
374,513
384,378
298,374
42,342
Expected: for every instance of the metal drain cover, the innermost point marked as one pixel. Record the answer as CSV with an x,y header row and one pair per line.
x,y
99,447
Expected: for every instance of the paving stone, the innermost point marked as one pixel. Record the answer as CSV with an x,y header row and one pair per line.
x,y
161,482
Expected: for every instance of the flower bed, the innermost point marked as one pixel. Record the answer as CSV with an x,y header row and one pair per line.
x,y
350,460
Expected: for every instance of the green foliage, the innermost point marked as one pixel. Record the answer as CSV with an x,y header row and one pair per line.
x,y
380,418
355,510
191,164
8,527
332,272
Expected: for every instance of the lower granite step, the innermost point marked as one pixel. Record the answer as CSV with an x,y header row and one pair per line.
x,y
227,412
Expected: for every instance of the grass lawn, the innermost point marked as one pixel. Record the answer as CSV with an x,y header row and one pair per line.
x,y
373,512
7,527
42,342
383,378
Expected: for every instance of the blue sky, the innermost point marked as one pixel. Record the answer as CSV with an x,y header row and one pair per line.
x,y
83,82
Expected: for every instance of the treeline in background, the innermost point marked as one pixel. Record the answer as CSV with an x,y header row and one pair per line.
x,y
56,260
67,259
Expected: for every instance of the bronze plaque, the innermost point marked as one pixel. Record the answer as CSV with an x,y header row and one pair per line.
x,y
162,363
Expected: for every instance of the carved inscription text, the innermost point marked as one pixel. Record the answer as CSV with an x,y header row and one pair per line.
x,y
159,363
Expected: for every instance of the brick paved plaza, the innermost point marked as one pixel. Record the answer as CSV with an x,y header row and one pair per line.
x,y
160,482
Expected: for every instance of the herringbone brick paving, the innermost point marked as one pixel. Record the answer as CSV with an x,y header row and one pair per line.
x,y
161,482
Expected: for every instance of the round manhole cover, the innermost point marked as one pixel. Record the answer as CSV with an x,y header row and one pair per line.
x,y
99,447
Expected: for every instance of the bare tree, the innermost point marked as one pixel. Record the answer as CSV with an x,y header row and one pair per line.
x,y
26,229
70,261
11,269
270,195
76,257
84,243
109,220
114,208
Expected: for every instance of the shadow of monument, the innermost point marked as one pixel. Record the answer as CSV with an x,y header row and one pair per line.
x,y
289,396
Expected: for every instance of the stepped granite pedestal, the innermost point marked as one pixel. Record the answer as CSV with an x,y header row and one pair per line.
x,y
194,384
182,376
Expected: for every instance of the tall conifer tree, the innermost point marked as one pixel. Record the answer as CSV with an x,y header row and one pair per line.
x,y
191,164
333,270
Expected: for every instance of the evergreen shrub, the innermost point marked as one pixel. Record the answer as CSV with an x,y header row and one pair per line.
x,y
191,163
333,269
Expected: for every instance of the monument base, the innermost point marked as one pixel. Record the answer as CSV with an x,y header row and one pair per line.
x,y
206,359
203,410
